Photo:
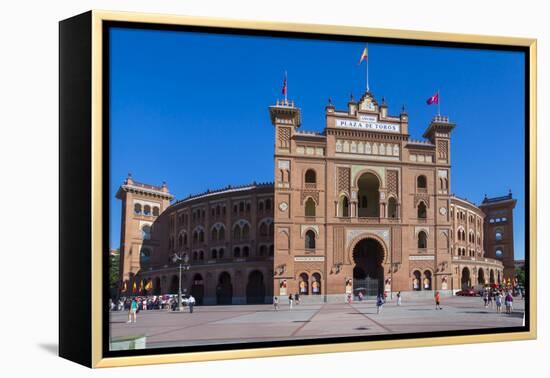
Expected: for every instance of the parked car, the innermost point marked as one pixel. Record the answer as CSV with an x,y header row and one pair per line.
x,y
466,293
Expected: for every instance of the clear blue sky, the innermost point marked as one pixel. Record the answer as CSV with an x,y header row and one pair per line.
x,y
191,109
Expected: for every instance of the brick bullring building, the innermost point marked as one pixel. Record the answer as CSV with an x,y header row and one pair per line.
x,y
360,207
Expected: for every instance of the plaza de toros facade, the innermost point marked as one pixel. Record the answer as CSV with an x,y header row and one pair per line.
x,y
360,207
225,236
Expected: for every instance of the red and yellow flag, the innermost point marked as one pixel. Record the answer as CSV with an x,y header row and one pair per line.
x,y
149,285
364,55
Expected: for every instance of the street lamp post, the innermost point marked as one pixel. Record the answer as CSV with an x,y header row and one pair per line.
x,y
183,260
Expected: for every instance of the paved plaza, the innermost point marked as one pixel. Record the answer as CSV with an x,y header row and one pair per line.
x,y
246,323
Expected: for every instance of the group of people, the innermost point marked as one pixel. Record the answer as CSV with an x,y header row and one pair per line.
x,y
292,299
162,302
492,297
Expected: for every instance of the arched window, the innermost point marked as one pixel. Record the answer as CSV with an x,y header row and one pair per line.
x,y
214,254
246,251
263,229
343,207
214,235
137,209
156,211
421,213
422,240
146,210
236,252
195,256
180,241
201,255
268,204
246,232
221,233
144,257
237,232
262,251
241,207
310,177
499,254
221,252
146,232
392,208
421,182
310,240
261,206
195,236
498,234
310,207
368,195
201,236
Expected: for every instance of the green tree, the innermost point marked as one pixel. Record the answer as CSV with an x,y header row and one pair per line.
x,y
520,274
114,268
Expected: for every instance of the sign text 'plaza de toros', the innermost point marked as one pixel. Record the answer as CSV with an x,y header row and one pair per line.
x,y
360,207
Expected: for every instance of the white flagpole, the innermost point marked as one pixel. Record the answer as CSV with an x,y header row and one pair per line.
x,y
367,67
286,87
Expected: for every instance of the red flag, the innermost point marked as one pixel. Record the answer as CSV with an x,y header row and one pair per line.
x,y
433,100
283,91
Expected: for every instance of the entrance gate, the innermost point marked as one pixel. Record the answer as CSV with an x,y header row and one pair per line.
x,y
368,286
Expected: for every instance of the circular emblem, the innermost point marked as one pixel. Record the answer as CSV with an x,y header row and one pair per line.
x,y
442,210
283,206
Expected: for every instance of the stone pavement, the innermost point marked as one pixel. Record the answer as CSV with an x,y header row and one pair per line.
x,y
245,323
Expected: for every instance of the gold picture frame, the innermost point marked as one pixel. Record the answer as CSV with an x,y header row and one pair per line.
x,y
84,36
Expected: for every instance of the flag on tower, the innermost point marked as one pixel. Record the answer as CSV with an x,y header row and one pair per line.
x,y
364,55
433,100
283,91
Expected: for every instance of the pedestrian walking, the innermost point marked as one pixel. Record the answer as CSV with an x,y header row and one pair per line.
x,y
349,298
132,317
360,296
191,302
486,299
276,303
379,303
508,301
297,298
399,298
290,301
498,300
438,301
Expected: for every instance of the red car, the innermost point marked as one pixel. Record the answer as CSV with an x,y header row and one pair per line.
x,y
467,293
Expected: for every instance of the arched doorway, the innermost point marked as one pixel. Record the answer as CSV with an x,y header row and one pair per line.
x,y
316,284
416,286
224,290
368,273
465,280
481,276
492,276
156,286
303,284
197,288
427,281
368,201
255,289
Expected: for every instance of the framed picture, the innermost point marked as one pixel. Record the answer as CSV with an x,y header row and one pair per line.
x,y
234,189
